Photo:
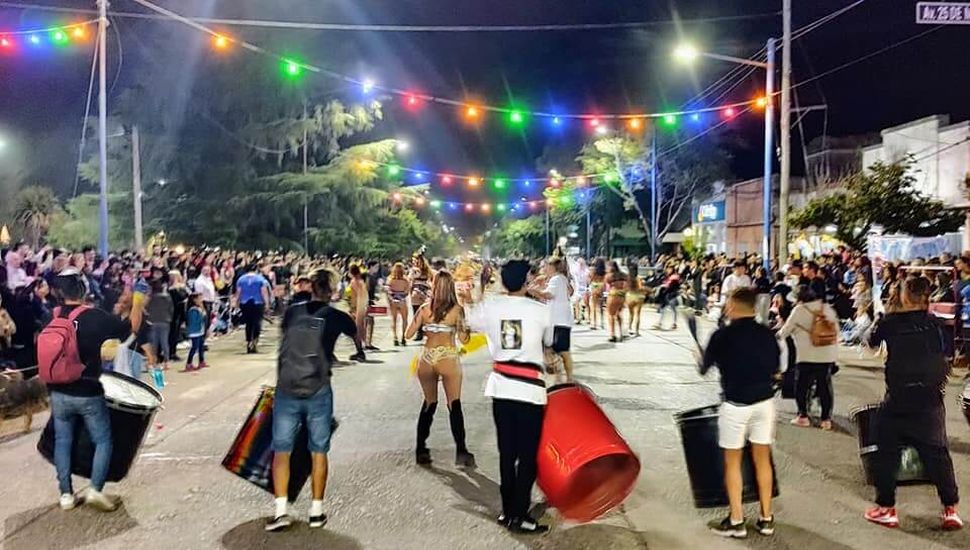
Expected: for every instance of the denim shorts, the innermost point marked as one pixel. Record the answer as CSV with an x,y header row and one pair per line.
x,y
289,412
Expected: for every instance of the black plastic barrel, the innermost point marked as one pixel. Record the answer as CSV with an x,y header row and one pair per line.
x,y
966,404
911,469
705,460
130,420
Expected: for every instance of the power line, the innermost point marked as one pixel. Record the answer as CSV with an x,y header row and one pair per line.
x,y
265,23
87,113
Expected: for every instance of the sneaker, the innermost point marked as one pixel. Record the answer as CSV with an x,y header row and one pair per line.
x,y
801,421
279,523
422,457
528,526
726,528
188,368
825,425
883,516
67,501
100,501
202,365
318,521
371,347
358,357
503,521
766,526
951,520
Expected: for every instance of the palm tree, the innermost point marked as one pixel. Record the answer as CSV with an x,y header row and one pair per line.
x,y
34,209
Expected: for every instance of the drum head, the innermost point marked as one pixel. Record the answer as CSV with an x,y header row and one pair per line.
x,y
129,393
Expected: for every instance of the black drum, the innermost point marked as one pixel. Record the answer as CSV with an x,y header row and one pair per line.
x,y
132,405
705,460
251,454
966,402
910,466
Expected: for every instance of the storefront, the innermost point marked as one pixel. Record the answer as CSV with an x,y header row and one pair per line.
x,y
710,225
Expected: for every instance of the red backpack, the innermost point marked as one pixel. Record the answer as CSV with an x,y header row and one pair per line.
x,y
58,359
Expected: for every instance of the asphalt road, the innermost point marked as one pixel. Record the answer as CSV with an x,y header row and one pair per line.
x,y
178,495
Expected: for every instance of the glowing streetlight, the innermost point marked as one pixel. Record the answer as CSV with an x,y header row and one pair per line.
x,y
686,53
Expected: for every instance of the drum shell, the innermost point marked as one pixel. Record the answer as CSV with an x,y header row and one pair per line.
x,y
129,426
251,454
966,407
585,468
705,462
911,469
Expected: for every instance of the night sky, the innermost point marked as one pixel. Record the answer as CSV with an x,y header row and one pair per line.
x,y
577,71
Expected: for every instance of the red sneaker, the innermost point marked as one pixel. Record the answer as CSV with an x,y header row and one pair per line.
x,y
202,365
883,516
951,520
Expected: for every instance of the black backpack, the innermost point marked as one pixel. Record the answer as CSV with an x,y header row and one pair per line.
x,y
303,367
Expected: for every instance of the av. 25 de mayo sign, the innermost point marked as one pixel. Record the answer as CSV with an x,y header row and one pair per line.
x,y
943,13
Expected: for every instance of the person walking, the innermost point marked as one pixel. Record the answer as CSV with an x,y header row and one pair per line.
x,y
81,399
159,313
398,288
443,321
748,357
912,411
195,327
556,294
303,397
252,295
517,329
813,325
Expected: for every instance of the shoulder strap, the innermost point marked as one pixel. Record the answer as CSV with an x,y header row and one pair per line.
x,y
77,311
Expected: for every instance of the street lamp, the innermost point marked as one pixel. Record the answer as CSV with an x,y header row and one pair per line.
x,y
689,53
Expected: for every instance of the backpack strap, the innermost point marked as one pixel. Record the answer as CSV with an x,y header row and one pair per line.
x,y
77,312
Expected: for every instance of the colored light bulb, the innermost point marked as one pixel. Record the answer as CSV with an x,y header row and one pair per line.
x,y
435,204
446,180
291,68
516,117
696,117
473,182
471,112
500,184
486,207
33,39
419,201
58,37
594,122
557,121
500,207
393,170
729,112
397,197
6,43
469,207
670,120
220,42
635,124
761,102
367,85
78,32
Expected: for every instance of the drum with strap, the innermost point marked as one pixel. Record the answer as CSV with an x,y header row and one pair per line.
x,y
132,405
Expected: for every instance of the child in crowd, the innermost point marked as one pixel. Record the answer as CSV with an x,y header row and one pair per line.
x,y
195,326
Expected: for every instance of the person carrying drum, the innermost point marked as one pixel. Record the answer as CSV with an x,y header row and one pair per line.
x,y
912,411
304,396
80,399
747,355
518,330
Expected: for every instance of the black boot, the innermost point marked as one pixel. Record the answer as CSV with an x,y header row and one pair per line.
x,y
463,458
422,455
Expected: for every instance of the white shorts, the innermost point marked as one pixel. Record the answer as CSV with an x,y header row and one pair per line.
x,y
737,424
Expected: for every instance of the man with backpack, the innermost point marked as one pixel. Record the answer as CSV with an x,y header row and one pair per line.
x,y
69,362
304,396
913,411
814,327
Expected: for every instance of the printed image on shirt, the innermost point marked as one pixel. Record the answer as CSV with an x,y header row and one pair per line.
x,y
511,334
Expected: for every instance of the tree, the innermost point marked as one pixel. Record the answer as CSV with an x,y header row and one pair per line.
x,y
520,237
34,209
686,166
882,196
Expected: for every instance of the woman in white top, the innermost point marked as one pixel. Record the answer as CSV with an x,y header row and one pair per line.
x,y
813,325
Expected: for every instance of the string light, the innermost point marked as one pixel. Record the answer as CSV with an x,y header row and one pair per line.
x,y
419,201
292,69
670,120
368,85
516,118
435,204
473,182
6,43
471,112
33,39
393,170
635,123
729,112
78,32
397,197
486,207
59,37
761,103
220,42
469,207
446,180
500,184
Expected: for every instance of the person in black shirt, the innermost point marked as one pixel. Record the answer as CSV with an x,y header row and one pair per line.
x,y
747,355
913,411
84,398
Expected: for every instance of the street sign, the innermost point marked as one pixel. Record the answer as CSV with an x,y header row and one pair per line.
x,y
943,13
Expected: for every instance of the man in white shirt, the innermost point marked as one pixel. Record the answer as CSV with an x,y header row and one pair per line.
x,y
739,278
556,295
518,330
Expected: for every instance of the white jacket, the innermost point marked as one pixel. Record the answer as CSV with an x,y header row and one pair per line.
x,y
799,327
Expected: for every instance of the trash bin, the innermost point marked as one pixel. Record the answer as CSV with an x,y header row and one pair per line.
x,y
705,460
132,405
251,454
910,466
585,468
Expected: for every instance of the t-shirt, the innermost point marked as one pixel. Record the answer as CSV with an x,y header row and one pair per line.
x,y
250,287
336,322
561,310
747,355
733,282
94,327
517,329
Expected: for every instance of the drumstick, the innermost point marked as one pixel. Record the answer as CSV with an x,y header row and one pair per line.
x,y
692,328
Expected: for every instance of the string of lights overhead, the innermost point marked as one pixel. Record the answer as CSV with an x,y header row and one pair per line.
x,y
59,36
516,116
523,205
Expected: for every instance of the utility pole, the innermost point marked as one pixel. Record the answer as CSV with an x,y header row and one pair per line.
x,y
767,189
654,199
306,169
785,175
548,249
589,229
103,127
136,187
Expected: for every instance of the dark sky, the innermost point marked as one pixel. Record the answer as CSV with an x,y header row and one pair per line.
x,y
578,71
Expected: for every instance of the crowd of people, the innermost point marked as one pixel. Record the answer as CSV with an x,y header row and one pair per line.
x,y
150,303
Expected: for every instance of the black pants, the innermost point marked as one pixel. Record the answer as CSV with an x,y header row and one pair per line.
x,y
820,376
414,312
253,317
925,430
518,426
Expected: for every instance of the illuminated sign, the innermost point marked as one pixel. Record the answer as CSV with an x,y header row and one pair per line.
x,y
709,212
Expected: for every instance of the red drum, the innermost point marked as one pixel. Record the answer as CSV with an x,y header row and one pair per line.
x,y
251,454
585,468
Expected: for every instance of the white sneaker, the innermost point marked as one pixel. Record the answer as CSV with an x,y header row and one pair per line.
x,y
100,501
68,501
